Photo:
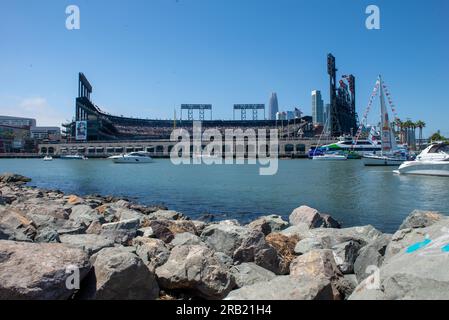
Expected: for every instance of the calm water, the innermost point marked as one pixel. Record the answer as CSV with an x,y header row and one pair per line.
x,y
351,193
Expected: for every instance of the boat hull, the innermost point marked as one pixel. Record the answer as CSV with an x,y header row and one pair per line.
x,y
327,158
382,161
132,160
427,168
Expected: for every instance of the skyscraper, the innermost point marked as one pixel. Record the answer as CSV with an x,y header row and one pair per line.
x,y
273,106
317,107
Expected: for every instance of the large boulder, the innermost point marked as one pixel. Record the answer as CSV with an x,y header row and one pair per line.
x,y
254,248
47,235
421,219
195,269
153,252
90,243
17,223
225,238
312,218
185,238
417,269
346,254
166,230
249,273
39,271
13,178
286,288
83,215
371,255
121,232
120,275
269,224
167,215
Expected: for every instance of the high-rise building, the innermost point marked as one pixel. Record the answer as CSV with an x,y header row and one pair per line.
x,y
326,117
273,106
317,107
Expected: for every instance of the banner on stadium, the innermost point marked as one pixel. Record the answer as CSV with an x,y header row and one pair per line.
x,y
81,130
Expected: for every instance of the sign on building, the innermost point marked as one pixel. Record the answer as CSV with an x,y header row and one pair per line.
x,y
81,130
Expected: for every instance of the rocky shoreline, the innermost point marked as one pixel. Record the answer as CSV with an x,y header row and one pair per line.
x,y
57,246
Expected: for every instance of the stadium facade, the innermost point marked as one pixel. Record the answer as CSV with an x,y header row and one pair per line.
x,y
93,124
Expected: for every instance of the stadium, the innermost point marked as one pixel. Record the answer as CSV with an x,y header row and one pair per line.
x,y
92,124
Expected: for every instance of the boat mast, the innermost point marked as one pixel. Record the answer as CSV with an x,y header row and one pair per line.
x,y
385,121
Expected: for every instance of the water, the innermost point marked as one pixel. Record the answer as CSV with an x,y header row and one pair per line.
x,y
350,192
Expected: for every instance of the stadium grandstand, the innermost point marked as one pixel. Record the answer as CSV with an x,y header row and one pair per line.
x,y
93,124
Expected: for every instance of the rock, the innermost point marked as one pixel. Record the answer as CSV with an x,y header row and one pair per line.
x,y
275,222
260,225
167,215
146,232
308,244
199,225
90,243
285,248
286,288
13,178
421,219
74,200
418,268
94,228
83,215
39,270
153,252
224,258
186,238
120,232
346,254
250,273
167,229
122,204
196,269
330,222
225,238
315,264
120,275
309,216
18,223
371,255
127,214
47,235
318,264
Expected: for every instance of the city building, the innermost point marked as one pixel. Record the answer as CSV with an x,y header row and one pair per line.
x,y
273,107
326,117
17,122
317,107
46,133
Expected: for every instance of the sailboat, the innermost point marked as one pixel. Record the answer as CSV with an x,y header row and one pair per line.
x,y
390,154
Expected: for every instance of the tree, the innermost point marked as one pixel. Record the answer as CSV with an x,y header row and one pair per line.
x,y
437,137
421,125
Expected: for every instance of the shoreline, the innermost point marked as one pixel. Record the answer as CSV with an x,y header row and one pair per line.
x,y
125,250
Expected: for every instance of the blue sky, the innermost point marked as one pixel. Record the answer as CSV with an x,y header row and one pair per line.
x,y
144,57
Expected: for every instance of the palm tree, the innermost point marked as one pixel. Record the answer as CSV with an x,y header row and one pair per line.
x,y
399,125
421,125
409,125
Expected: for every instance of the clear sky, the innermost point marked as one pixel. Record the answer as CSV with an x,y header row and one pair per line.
x,y
144,57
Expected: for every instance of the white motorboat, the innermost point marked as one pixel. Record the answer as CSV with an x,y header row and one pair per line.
x,y
433,161
73,157
390,153
330,157
48,158
133,157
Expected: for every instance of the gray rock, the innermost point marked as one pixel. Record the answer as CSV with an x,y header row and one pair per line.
x,y
421,219
186,238
286,288
307,245
13,178
38,270
225,238
83,215
121,275
250,273
47,235
224,258
311,217
123,214
146,232
260,225
90,243
346,254
121,232
167,215
418,269
166,230
315,264
371,255
196,269
153,252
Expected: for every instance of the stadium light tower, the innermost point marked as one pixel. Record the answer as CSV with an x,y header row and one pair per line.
x,y
244,107
201,110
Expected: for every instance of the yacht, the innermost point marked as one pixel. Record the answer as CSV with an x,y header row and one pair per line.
x,y
349,145
133,157
433,161
73,157
48,158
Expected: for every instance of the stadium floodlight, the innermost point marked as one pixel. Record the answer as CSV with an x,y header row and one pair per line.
x,y
201,109
253,107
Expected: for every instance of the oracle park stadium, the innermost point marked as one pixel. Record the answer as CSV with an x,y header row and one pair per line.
x,y
96,133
